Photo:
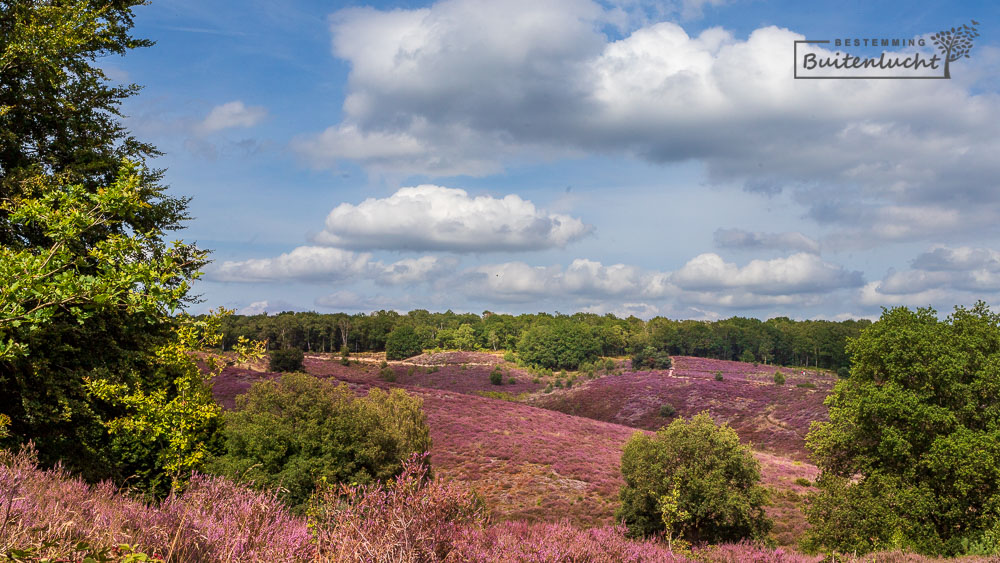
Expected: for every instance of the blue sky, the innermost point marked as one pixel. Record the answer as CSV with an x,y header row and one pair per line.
x,y
648,158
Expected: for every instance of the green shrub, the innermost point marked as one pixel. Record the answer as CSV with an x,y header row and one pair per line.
x,y
403,342
779,378
667,410
511,381
288,433
712,477
569,383
383,364
651,358
609,364
718,376
287,360
509,356
747,357
843,372
387,374
802,481
806,385
496,376
559,383
345,361
411,370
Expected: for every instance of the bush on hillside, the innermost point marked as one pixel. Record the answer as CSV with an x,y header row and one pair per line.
x,y
296,430
403,342
651,358
667,410
696,469
779,378
496,376
286,361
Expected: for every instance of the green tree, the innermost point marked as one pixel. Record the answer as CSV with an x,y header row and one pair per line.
x,y
89,284
716,480
403,342
294,431
915,430
561,344
465,338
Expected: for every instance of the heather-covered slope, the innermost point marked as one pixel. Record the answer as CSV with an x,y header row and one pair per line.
x,y
538,464
775,418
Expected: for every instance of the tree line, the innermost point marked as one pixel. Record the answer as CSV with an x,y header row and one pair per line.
x,y
778,340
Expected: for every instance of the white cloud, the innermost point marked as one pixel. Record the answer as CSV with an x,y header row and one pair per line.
x,y
305,263
436,218
942,276
517,281
230,115
940,257
324,264
768,279
465,86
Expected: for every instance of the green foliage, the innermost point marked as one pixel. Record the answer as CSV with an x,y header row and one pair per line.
x,y
297,430
402,343
716,477
286,360
806,385
89,285
163,435
911,453
509,356
651,358
667,410
465,338
779,378
843,372
496,376
718,376
559,344
748,357
387,374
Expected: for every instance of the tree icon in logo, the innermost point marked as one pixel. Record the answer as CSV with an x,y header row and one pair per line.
x,y
955,43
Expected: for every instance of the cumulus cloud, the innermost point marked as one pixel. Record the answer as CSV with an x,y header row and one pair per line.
x,y
464,86
437,218
796,274
517,281
744,240
305,263
230,115
322,264
942,276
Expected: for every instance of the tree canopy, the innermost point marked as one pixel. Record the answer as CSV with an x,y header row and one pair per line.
x,y
89,285
695,476
911,453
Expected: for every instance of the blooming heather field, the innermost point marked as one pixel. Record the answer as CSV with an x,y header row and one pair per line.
x,y
538,464
775,418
